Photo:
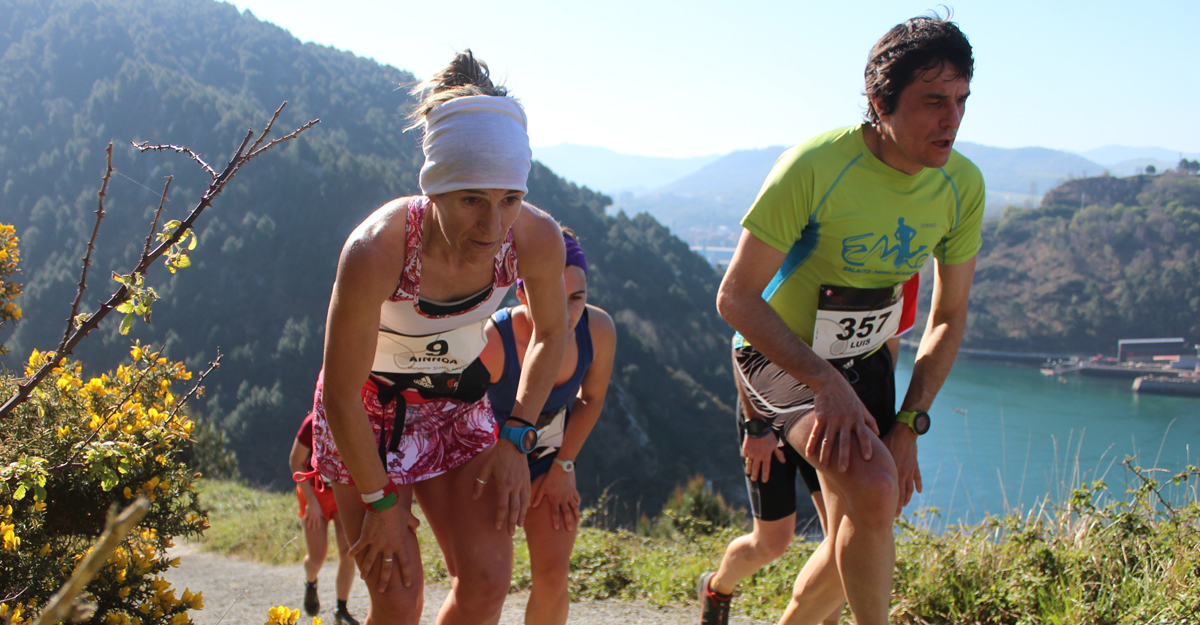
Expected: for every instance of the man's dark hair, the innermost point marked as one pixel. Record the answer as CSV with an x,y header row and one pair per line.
x,y
917,45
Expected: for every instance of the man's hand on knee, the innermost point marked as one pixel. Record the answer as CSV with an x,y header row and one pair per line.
x,y
838,413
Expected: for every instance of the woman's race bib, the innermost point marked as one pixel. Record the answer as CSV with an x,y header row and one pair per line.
x,y
445,352
852,321
550,427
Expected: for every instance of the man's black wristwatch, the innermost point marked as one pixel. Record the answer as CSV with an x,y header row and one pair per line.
x,y
755,428
918,421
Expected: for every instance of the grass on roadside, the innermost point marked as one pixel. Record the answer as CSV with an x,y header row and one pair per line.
x,y
1097,558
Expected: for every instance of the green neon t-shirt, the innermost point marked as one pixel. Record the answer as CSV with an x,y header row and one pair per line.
x,y
844,218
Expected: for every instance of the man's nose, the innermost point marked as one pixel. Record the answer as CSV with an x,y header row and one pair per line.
x,y
952,116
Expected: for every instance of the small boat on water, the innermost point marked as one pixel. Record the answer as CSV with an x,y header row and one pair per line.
x,y
1183,386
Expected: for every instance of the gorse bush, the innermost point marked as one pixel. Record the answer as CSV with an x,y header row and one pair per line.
x,y
78,447
10,255
694,509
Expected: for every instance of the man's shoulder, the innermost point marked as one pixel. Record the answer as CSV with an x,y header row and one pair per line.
x,y
839,144
825,154
962,170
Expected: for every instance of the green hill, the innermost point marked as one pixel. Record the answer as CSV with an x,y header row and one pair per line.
x,y
75,74
1102,259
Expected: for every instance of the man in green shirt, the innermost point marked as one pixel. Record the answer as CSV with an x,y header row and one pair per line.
x,y
815,293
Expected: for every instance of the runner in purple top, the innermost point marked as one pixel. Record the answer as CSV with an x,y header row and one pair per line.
x,y
568,416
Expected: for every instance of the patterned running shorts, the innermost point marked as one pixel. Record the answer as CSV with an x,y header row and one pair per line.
x,y
438,436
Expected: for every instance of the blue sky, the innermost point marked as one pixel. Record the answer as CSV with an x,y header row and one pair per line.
x,y
699,77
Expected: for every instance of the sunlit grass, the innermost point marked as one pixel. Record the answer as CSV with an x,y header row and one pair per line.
x,y
1096,556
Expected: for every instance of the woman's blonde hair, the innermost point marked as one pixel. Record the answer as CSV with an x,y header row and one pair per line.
x,y
464,76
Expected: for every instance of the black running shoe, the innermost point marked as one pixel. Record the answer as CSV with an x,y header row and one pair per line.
x,y
343,617
714,607
312,604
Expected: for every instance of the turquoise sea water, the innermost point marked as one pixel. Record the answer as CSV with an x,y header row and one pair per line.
x,y
1004,437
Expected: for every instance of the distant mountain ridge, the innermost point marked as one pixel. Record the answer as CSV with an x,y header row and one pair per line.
x,y
718,194
610,172
1116,155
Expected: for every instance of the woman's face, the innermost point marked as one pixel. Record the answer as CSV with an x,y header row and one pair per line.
x,y
576,283
475,221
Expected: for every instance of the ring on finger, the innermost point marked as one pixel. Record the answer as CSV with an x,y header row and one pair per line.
x,y
481,481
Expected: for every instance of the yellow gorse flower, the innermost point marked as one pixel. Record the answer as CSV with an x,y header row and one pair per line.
x,y
9,536
281,615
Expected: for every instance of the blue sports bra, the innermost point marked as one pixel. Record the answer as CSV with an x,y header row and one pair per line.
x,y
503,393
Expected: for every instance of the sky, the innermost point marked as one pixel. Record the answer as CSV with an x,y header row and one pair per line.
x,y
693,78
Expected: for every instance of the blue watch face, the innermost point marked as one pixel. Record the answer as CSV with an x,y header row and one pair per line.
x,y
525,438
529,440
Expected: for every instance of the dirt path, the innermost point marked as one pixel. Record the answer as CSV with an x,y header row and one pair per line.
x,y
237,592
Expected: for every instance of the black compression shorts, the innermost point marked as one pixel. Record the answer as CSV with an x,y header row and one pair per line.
x,y
783,401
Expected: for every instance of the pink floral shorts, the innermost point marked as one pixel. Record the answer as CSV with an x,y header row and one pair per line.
x,y
438,435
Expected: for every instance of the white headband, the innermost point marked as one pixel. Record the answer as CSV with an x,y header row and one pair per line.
x,y
476,142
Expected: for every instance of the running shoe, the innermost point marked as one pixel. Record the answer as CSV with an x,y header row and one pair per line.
x,y
714,607
343,617
312,604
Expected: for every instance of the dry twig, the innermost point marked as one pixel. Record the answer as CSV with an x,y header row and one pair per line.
x,y
215,364
62,604
239,159
158,213
87,257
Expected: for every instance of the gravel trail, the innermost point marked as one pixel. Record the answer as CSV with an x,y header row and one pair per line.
x,y
237,592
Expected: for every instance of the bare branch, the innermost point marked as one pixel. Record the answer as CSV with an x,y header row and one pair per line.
x,y
215,364
91,246
289,136
271,124
158,213
146,147
63,602
93,321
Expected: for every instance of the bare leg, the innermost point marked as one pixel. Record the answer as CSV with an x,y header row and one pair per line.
x,y
747,554
398,605
478,556
819,504
345,572
317,542
550,564
818,583
861,504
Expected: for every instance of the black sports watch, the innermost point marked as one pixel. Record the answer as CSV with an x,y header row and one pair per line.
x,y
918,421
756,428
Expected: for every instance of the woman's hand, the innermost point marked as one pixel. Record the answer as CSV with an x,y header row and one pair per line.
x,y
313,518
557,488
507,469
382,546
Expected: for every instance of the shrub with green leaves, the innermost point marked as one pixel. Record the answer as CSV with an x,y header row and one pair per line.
x,y
10,255
78,447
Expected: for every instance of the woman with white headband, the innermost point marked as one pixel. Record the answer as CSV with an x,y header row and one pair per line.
x,y
401,407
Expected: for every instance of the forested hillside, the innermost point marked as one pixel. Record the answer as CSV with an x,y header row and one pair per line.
x,y
1102,259
75,74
